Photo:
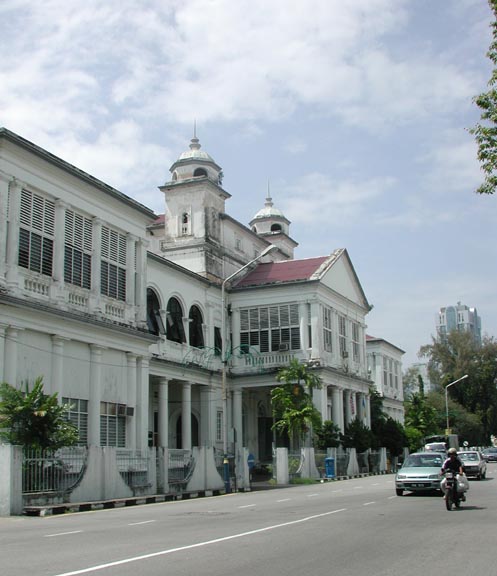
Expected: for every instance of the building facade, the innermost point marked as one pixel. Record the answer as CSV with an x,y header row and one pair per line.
x,y
120,310
385,369
461,318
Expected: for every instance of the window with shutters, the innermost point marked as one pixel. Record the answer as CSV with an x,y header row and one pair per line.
x,y
195,324
175,330
77,414
113,264
112,425
355,342
342,336
328,329
77,250
270,329
36,233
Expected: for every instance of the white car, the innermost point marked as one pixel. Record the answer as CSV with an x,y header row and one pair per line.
x,y
474,464
421,472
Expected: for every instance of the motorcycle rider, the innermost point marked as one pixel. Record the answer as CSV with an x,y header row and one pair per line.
x,y
454,464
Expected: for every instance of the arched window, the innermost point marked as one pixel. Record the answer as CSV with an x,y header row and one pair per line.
x,y
154,320
275,227
196,331
254,229
175,176
200,172
175,330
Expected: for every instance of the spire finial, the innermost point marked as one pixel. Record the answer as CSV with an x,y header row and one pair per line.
x,y
269,200
194,144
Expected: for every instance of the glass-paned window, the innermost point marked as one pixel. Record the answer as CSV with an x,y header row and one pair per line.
x,y
113,264
218,341
328,329
77,414
195,327
175,330
112,424
219,426
36,233
273,328
385,372
77,250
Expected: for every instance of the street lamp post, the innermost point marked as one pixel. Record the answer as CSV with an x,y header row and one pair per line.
x,y
447,399
224,361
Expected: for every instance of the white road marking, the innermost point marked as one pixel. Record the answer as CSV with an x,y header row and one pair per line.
x,y
368,503
391,497
247,506
198,545
139,523
312,495
62,534
284,500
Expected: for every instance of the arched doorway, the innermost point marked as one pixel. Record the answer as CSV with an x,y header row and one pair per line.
x,y
179,433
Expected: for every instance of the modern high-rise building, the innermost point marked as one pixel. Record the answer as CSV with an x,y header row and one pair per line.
x,y
461,318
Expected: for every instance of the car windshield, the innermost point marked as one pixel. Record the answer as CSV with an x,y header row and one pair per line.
x,y
422,461
469,456
489,450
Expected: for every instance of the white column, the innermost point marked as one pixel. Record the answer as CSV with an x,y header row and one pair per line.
x,y
13,233
336,407
4,197
59,242
303,326
206,416
141,281
237,416
130,269
10,370
164,413
359,407
96,266
131,399
315,330
347,406
367,410
320,400
186,416
95,395
142,402
57,383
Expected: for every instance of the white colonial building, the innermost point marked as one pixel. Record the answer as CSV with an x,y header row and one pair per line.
x,y
120,309
385,369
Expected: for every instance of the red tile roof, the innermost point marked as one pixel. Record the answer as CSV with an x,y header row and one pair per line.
x,y
287,271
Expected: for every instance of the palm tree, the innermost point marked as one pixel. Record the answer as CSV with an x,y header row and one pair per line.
x,y
293,409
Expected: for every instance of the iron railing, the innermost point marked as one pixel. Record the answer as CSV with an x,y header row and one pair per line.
x,y
53,471
134,467
180,466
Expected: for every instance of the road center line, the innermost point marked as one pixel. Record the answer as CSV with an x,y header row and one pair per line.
x,y
283,500
247,506
198,545
139,523
368,503
62,534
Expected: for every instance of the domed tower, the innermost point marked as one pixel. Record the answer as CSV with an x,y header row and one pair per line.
x,y
271,224
195,203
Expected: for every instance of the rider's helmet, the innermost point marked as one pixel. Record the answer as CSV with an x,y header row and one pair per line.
x,y
452,451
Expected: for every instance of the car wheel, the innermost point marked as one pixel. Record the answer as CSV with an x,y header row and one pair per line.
x,y
399,491
484,475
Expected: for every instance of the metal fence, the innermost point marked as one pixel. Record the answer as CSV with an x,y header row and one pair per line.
x,y
341,463
134,467
180,466
295,464
363,462
53,471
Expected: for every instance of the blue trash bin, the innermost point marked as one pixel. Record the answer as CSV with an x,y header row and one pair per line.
x,y
329,467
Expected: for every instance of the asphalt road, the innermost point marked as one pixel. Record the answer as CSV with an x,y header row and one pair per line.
x,y
353,527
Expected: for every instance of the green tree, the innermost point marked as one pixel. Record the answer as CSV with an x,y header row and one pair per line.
x,y
293,409
460,354
485,133
327,435
358,436
33,419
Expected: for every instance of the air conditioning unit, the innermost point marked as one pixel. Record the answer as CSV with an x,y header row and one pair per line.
x,y
283,347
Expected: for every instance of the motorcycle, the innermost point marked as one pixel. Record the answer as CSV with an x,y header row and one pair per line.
x,y
452,494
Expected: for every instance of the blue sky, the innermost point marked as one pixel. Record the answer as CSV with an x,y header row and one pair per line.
x,y
355,112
